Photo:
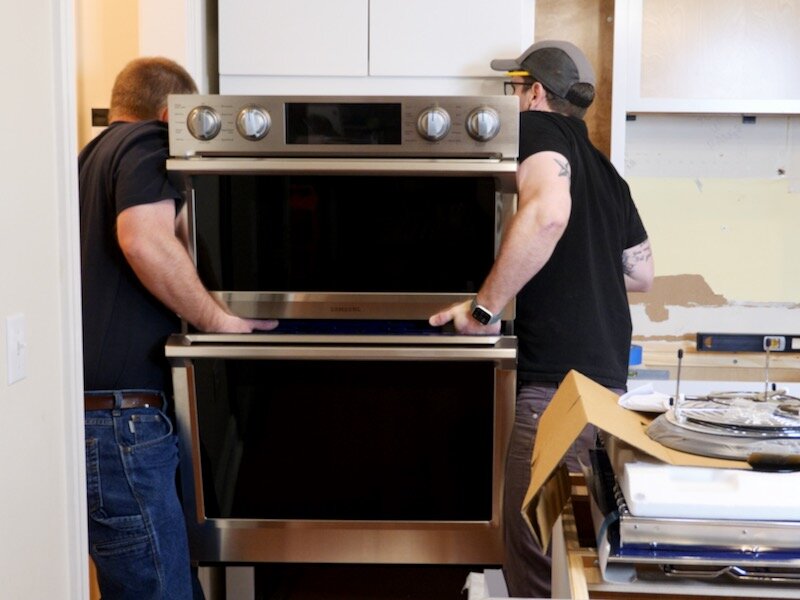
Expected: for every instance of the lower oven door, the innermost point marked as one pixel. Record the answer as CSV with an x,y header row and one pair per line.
x,y
343,450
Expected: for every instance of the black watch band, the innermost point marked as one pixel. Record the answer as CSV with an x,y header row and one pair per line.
x,y
483,315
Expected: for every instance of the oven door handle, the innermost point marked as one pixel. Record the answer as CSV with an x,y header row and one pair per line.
x,y
471,167
504,352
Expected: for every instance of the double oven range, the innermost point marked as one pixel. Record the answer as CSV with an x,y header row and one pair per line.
x,y
354,432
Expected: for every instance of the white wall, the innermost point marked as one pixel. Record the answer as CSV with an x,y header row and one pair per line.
x,y
180,30
42,537
109,34
107,37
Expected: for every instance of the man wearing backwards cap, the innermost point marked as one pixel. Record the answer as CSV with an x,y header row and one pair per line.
x,y
574,248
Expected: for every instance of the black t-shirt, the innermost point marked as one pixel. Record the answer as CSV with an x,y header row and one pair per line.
x,y
124,326
574,313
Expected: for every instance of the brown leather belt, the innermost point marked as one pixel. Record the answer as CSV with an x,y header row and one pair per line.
x,y
129,400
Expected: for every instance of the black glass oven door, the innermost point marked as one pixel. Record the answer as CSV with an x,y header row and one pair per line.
x,y
346,440
348,234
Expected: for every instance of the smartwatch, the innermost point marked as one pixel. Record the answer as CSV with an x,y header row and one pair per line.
x,y
483,315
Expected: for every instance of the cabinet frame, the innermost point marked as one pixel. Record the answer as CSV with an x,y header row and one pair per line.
x,y
627,98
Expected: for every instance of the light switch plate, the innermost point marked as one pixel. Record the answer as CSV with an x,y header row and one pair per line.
x,y
16,348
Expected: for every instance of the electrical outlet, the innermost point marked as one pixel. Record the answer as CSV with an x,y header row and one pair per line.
x,y
16,348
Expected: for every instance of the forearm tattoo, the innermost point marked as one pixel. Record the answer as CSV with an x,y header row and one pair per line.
x,y
635,255
564,172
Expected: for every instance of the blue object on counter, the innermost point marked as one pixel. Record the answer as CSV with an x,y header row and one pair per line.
x,y
635,357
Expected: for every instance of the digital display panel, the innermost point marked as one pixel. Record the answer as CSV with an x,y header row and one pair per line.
x,y
343,123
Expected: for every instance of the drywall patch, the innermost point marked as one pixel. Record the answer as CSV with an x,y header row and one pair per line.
x,y
676,290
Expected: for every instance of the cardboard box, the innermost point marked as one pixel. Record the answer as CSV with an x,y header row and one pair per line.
x,y
579,401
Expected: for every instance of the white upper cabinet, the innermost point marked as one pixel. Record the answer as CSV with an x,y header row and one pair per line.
x,y
703,57
446,38
712,56
293,37
368,46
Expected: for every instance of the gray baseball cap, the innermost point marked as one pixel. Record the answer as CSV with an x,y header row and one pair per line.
x,y
557,65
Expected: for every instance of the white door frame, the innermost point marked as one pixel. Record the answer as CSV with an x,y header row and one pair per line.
x,y
66,144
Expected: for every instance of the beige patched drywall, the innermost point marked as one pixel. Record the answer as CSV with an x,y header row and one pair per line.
x,y
725,253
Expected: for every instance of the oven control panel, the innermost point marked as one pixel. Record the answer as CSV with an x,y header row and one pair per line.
x,y
381,126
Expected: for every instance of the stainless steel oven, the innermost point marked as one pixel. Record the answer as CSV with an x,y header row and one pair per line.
x,y
354,432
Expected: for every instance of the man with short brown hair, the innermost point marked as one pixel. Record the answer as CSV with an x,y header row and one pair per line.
x,y
137,276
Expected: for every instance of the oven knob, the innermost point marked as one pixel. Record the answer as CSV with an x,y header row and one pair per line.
x,y
203,122
253,122
483,124
433,123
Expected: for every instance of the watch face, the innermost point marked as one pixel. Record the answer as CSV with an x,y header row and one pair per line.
x,y
480,315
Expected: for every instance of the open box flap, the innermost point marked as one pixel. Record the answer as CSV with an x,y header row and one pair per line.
x,y
579,401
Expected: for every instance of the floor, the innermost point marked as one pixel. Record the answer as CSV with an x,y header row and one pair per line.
x,y
361,582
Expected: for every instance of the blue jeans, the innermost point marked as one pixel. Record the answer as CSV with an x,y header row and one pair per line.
x,y
137,535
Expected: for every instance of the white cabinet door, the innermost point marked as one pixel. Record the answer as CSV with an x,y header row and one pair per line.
x,y
446,38
715,56
293,37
